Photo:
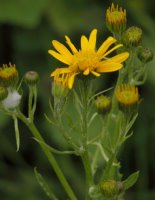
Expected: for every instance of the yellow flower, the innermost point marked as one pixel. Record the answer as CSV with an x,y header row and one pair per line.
x,y
9,75
87,60
116,19
127,95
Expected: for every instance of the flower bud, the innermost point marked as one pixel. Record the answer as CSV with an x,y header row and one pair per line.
x,y
127,97
9,75
116,19
3,93
145,55
109,188
103,104
132,36
60,85
31,78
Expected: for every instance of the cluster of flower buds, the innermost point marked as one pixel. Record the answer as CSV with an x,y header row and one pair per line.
x,y
9,96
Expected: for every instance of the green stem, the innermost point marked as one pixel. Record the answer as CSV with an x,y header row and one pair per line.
x,y
49,155
85,93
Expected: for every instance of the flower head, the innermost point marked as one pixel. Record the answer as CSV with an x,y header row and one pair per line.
x,y
3,93
8,75
87,60
127,95
116,19
103,104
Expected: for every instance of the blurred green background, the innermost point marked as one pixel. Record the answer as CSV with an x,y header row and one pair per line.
x,y
26,30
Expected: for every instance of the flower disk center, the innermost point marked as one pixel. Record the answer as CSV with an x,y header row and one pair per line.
x,y
86,59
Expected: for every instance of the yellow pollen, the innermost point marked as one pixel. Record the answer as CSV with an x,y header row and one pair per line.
x,y
86,59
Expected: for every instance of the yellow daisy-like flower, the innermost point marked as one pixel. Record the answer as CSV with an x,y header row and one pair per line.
x,y
87,60
116,19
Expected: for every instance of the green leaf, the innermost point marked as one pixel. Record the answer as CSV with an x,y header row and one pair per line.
x,y
44,185
131,180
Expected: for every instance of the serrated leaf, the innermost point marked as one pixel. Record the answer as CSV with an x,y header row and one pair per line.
x,y
44,185
131,180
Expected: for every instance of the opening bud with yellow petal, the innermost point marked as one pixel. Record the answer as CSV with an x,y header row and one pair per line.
x,y
145,55
9,75
60,85
103,104
116,19
109,188
3,93
127,97
132,36
31,78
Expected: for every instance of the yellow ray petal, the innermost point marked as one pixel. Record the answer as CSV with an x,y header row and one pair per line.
x,y
108,66
62,50
95,73
71,80
113,49
71,45
60,71
86,72
120,57
59,56
84,42
92,39
105,45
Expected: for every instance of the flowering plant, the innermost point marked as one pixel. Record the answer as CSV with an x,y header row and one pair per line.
x,y
74,84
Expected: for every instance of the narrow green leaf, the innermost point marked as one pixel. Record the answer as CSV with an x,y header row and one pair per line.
x,y
52,149
131,180
44,185
17,136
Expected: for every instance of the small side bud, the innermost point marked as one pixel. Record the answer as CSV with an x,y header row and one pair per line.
x,y
103,104
127,97
145,55
31,78
132,36
3,93
60,86
109,188
9,75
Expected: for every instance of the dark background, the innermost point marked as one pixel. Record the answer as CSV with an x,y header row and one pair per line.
x,y
26,30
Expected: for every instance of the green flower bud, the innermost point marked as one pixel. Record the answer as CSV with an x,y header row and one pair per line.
x,y
132,36
145,54
127,97
103,104
9,75
109,188
3,93
31,78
